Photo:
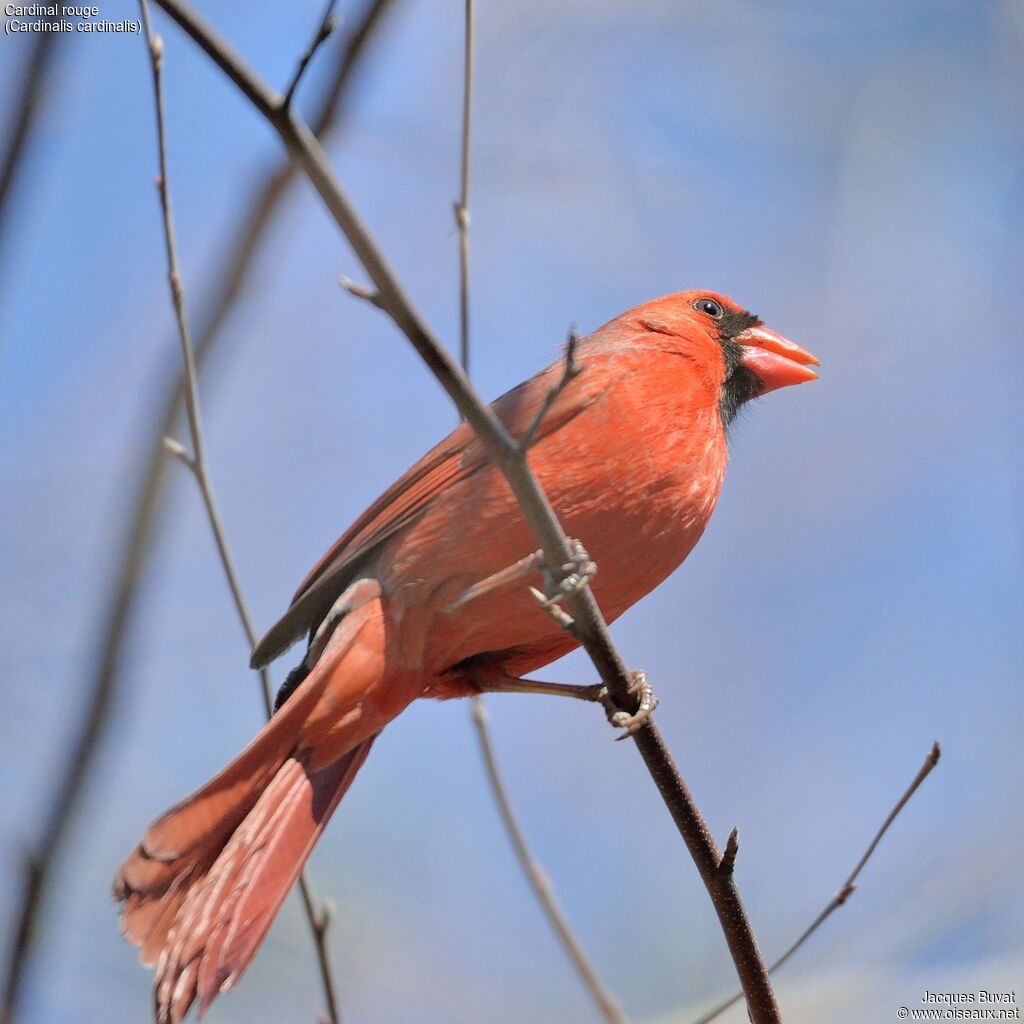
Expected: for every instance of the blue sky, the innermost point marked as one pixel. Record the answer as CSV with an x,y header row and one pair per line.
x,y
856,176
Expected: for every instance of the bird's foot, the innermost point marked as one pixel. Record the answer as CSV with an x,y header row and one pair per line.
x,y
572,577
578,571
631,723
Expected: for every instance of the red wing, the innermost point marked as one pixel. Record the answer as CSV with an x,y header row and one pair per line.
x,y
402,501
457,457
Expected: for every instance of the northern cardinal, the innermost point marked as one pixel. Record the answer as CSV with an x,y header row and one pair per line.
x,y
631,454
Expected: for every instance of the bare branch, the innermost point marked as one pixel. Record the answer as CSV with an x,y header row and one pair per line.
x,y
327,25
462,205
539,881
145,506
592,631
320,921
570,372
728,862
197,461
847,888
360,291
536,877
197,464
178,451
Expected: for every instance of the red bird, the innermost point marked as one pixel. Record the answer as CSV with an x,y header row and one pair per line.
x,y
631,454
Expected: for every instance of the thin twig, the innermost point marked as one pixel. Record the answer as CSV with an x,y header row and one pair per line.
x,y
462,205
360,291
846,890
146,510
25,103
504,451
196,463
327,25
536,877
570,371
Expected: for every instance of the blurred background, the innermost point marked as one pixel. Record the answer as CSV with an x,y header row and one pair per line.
x,y
854,174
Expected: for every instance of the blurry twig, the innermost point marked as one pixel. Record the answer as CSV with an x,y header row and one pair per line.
x,y
25,104
847,888
38,864
536,877
146,509
589,628
462,204
319,919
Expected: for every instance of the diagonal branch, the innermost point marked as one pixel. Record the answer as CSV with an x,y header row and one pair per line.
x,y
536,877
589,627
846,890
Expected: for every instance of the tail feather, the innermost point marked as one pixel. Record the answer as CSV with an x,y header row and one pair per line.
x,y
279,869
224,919
180,847
201,890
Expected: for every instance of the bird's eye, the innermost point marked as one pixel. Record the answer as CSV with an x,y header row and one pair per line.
x,y
709,306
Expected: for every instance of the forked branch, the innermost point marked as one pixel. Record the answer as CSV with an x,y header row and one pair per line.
x,y
847,888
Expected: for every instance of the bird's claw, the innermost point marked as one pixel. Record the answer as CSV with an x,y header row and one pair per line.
x,y
577,572
575,575
549,605
632,723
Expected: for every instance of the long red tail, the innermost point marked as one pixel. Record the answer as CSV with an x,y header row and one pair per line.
x,y
202,888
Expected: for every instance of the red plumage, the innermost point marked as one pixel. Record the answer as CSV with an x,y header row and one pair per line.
x,y
631,454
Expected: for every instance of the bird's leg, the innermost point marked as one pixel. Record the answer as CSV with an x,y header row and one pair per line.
x,y
492,681
574,575
497,682
507,575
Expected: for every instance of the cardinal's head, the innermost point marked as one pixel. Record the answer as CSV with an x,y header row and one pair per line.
x,y
731,349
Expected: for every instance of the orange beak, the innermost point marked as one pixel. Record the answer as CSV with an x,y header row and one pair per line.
x,y
775,360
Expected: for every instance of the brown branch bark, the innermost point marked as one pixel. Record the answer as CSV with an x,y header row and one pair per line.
x,y
846,890
589,627
146,509
536,877
319,918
